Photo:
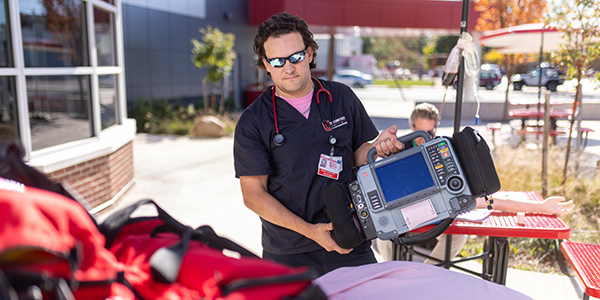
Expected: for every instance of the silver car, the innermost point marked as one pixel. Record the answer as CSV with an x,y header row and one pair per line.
x,y
353,78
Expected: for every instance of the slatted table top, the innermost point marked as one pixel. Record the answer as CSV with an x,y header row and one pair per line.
x,y
503,224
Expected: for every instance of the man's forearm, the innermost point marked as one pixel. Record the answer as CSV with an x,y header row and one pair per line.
x,y
509,205
268,208
360,155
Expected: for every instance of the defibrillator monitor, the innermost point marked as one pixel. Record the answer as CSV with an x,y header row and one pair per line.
x,y
413,188
412,171
429,183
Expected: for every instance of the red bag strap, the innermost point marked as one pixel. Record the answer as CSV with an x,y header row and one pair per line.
x,y
166,262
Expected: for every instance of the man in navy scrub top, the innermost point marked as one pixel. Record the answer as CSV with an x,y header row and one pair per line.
x,y
297,138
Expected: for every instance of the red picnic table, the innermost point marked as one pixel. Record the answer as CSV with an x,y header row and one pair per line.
x,y
526,114
534,113
530,103
497,228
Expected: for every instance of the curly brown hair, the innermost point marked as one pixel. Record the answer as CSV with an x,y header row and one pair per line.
x,y
279,24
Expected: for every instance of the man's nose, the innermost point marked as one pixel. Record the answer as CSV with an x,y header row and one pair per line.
x,y
289,67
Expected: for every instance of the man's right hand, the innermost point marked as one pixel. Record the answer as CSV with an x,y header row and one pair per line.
x,y
320,233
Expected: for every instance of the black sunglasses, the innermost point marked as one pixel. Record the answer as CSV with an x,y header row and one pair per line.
x,y
295,58
431,133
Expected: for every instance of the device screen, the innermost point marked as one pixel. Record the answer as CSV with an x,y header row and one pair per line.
x,y
404,177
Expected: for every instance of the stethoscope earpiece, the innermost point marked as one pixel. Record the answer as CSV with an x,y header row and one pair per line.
x,y
278,139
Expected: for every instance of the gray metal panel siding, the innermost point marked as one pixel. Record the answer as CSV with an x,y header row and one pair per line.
x,y
158,49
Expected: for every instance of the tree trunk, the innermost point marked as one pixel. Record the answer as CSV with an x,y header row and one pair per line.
x,y
205,94
223,97
213,97
331,57
573,108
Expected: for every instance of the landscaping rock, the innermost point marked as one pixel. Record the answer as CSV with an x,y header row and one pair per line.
x,y
208,126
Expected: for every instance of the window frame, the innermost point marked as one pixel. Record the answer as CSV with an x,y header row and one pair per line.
x,y
120,132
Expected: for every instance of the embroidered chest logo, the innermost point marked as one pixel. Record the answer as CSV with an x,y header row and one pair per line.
x,y
339,122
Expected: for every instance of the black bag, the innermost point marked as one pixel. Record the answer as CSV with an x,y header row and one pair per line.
x,y
477,162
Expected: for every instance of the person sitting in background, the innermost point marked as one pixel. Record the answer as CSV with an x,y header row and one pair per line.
x,y
426,117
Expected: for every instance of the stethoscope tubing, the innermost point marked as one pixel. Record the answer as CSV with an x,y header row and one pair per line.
x,y
279,139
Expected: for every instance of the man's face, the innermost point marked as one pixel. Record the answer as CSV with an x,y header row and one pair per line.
x,y
425,124
291,80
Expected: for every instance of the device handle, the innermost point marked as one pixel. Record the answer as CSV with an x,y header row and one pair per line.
x,y
404,139
425,236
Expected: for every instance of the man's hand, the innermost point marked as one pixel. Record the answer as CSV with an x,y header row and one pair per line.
x,y
557,205
320,233
387,143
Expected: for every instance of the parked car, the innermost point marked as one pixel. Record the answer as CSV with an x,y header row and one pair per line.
x,y
353,78
552,77
487,78
492,67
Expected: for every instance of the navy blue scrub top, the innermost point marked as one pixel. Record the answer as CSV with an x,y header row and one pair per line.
x,y
292,167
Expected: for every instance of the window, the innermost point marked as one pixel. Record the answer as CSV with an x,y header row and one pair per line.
x,y
69,98
105,37
59,109
8,109
108,100
54,33
6,59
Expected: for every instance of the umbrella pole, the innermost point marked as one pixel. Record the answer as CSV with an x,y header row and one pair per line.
x,y
461,69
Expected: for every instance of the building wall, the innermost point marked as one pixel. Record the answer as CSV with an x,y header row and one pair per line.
x,y
157,43
100,179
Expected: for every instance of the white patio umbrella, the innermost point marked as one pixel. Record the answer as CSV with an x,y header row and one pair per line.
x,y
527,38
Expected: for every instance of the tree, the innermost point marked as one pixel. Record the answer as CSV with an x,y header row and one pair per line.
x,y
498,14
578,20
406,49
215,52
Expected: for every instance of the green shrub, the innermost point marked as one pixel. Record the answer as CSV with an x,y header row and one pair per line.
x,y
162,117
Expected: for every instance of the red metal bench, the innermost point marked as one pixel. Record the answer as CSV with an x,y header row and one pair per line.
x,y
586,131
585,259
493,127
539,132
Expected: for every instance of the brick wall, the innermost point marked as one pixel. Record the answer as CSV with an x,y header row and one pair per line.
x,y
98,180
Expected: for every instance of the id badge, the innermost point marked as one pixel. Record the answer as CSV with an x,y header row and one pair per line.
x,y
330,166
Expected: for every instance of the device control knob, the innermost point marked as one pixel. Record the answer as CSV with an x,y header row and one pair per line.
x,y
455,184
354,187
363,214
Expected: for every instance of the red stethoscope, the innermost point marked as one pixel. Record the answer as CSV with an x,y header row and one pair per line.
x,y
279,139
